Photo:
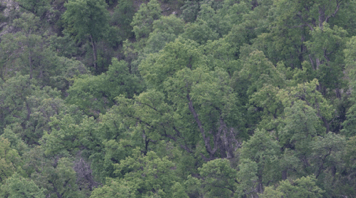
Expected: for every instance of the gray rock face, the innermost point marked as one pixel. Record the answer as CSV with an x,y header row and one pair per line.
x,y
10,6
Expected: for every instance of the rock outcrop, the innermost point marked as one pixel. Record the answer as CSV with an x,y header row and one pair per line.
x,y
8,7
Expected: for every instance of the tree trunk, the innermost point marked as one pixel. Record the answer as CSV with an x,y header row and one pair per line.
x,y
30,62
284,174
94,51
260,186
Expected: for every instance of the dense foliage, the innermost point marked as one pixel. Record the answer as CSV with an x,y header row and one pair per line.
x,y
195,98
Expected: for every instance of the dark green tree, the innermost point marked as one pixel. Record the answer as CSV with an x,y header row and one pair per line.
x,y
87,20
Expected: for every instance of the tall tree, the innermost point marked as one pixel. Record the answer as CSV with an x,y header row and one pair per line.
x,y
301,187
17,186
10,161
87,20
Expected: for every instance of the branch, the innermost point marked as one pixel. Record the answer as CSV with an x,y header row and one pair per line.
x,y
336,10
200,125
311,61
322,164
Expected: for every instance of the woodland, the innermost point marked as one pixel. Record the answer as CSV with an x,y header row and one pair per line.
x,y
177,98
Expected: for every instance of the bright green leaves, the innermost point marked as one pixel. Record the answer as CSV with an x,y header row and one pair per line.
x,y
350,56
304,35
95,94
220,54
169,121
180,71
10,160
218,178
326,45
113,189
326,41
143,19
87,93
143,176
327,152
70,136
120,80
15,142
28,106
258,70
262,150
309,96
301,187
291,24
150,119
176,56
301,125
257,82
55,176
155,176
19,187
247,178
267,99
165,30
199,32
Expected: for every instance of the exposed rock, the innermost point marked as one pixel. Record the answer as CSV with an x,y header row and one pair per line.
x,y
9,5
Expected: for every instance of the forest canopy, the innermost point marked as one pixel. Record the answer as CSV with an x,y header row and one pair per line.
x,y
183,99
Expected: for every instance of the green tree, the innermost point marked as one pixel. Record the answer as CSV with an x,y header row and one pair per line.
x,y
114,189
70,136
17,186
28,106
29,52
122,16
350,54
188,98
299,32
39,8
143,19
256,80
87,20
165,30
264,151
95,94
55,175
326,161
301,187
218,178
326,47
10,133
190,10
10,161
308,95
247,178
346,184
142,24
24,50
200,32
142,176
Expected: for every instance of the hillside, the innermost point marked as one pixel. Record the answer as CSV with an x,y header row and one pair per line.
x,y
186,98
